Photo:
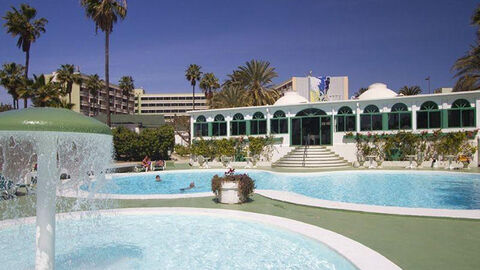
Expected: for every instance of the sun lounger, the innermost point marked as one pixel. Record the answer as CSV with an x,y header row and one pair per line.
x,y
202,161
158,165
8,189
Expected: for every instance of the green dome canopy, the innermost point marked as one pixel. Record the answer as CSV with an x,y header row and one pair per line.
x,y
50,119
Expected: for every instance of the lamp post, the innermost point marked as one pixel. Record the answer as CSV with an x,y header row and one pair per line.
x,y
428,79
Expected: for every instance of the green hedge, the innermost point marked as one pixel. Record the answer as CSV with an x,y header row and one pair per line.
x,y
152,142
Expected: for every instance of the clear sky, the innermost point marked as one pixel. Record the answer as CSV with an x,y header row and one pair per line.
x,y
391,41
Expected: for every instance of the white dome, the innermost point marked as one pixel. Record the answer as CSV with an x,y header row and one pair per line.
x,y
378,91
291,97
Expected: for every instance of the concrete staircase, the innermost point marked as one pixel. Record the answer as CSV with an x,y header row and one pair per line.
x,y
318,157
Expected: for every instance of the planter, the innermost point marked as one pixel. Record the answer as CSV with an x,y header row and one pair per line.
x,y
229,193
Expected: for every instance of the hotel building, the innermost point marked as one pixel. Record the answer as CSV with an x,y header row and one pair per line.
x,y
174,104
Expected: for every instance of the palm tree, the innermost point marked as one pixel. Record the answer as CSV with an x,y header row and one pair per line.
x,y
467,67
230,97
67,76
105,13
208,84
410,91
360,91
11,78
93,85
126,85
193,74
255,77
47,92
21,23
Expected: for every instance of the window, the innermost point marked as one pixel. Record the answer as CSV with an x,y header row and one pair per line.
x,y
238,126
279,123
200,127
258,124
371,118
461,114
345,120
399,117
429,116
219,126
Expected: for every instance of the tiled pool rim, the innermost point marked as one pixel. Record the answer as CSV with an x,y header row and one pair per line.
x,y
359,255
296,198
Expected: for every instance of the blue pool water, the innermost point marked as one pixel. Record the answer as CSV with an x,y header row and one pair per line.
x,y
180,241
443,190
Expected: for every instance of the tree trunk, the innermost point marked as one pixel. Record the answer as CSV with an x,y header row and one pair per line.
x,y
27,62
107,79
193,92
14,103
70,98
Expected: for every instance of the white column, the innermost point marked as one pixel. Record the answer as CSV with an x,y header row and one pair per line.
x,y
357,117
414,117
48,176
268,116
228,119
477,111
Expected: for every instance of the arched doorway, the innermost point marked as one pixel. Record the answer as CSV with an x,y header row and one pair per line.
x,y
311,127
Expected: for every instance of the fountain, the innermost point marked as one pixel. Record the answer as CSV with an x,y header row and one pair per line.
x,y
58,141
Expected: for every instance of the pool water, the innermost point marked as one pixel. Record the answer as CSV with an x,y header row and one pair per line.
x,y
424,189
167,241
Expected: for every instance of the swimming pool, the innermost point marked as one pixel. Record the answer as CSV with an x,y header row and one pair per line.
x,y
179,240
415,189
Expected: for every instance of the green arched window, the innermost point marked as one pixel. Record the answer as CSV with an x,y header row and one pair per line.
x,y
219,126
461,114
279,123
238,125
429,116
311,112
345,120
399,117
258,124
371,118
200,126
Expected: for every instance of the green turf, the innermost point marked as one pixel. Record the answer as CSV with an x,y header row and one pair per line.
x,y
410,242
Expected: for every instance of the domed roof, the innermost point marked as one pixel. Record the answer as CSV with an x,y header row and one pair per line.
x,y
378,91
291,97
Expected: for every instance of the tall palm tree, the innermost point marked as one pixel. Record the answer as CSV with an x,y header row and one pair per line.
x,y
193,74
22,23
11,76
67,76
229,97
256,78
47,92
466,83
93,85
105,13
208,84
410,91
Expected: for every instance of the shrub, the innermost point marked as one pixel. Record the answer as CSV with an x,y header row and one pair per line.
x,y
182,150
152,142
225,147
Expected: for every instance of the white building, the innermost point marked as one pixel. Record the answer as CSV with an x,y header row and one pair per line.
x,y
315,89
168,105
294,121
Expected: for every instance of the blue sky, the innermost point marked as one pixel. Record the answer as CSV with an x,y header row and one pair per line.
x,y
391,41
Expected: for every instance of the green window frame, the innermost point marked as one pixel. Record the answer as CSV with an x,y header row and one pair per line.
x,y
238,126
461,114
279,123
219,126
429,116
345,120
258,124
200,127
371,119
399,118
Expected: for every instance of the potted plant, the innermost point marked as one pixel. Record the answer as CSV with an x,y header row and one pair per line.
x,y
232,188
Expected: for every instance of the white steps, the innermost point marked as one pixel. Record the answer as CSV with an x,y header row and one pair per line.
x,y
311,157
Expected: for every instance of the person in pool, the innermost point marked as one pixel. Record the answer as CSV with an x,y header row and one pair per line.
x,y
192,185
157,178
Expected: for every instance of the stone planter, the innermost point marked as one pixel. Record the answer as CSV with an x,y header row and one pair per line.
x,y
229,193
